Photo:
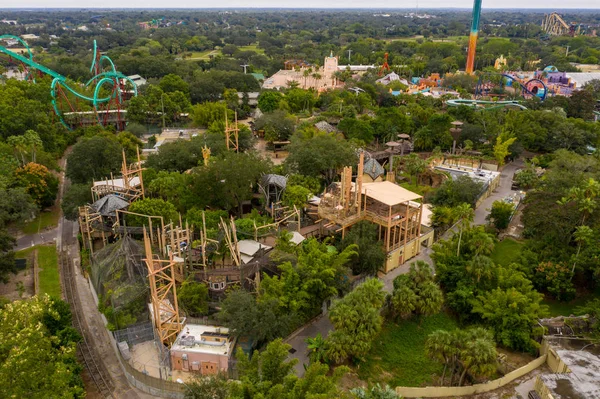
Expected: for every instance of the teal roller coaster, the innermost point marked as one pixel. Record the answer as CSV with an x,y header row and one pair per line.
x,y
108,86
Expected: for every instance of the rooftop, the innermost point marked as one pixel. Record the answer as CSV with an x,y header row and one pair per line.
x,y
118,183
388,193
193,338
583,360
249,248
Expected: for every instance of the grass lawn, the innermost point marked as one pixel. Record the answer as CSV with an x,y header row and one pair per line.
x,y
398,357
42,221
252,47
48,265
506,252
556,308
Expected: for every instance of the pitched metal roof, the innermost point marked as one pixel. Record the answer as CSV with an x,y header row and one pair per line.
x,y
108,205
277,180
373,168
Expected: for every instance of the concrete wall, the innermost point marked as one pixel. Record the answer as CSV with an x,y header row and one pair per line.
x,y
438,392
222,362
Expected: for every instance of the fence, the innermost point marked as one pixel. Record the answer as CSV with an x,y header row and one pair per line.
x,y
152,385
135,334
438,392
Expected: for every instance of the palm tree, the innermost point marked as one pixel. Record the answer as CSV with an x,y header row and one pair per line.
x,y
583,235
480,266
404,301
316,76
316,349
306,74
478,357
19,143
430,299
464,215
439,346
480,242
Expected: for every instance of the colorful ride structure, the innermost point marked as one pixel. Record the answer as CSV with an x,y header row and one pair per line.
x,y
488,105
491,84
473,36
99,101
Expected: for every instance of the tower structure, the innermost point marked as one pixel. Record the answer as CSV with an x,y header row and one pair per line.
x,y
163,294
473,36
232,134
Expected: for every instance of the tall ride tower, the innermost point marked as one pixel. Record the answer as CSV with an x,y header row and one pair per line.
x,y
473,36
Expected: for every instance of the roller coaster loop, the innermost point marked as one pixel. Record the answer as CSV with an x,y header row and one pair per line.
x,y
60,86
531,88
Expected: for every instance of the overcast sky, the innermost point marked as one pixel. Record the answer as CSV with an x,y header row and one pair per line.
x,y
547,4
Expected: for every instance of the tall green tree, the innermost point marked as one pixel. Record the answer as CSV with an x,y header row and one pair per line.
x,y
37,350
357,321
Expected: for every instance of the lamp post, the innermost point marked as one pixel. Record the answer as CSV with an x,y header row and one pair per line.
x,y
455,131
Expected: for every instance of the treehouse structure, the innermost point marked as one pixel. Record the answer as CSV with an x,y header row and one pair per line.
x,y
130,186
397,212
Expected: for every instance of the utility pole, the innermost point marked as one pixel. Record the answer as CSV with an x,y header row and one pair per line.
x,y
244,66
349,53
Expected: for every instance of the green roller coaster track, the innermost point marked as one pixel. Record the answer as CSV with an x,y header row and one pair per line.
x,y
111,77
487,105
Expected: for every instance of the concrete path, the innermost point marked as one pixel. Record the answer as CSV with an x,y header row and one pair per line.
x,y
31,240
502,191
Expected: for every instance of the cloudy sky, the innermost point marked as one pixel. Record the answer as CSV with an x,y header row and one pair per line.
x,y
547,4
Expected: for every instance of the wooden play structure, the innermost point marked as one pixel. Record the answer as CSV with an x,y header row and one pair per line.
x,y
130,186
163,294
232,134
395,210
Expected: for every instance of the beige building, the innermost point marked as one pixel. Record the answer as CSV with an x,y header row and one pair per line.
x,y
321,78
204,349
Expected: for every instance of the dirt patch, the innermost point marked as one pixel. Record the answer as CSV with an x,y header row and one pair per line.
x,y
20,285
515,360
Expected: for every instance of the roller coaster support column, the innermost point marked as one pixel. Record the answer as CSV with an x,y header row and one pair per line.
x,y
473,36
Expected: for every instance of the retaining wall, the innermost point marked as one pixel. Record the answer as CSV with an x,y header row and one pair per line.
x,y
438,392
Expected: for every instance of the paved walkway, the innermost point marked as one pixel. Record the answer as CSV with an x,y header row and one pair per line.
x,y
502,191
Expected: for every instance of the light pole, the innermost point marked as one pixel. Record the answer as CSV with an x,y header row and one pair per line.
x,y
349,53
245,66
455,131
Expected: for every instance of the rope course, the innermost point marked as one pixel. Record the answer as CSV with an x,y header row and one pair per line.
x,y
107,85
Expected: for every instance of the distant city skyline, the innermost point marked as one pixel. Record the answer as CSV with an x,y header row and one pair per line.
x,y
373,4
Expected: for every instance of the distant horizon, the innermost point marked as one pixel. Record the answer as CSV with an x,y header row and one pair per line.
x,y
374,8
554,5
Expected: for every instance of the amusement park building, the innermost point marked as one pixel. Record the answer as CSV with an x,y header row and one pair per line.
x,y
327,80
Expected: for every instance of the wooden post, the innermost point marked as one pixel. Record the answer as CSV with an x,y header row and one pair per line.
x,y
140,172
359,180
406,225
419,227
387,247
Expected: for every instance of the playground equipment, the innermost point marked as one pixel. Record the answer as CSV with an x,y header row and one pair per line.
x,y
530,88
105,91
487,105
473,36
